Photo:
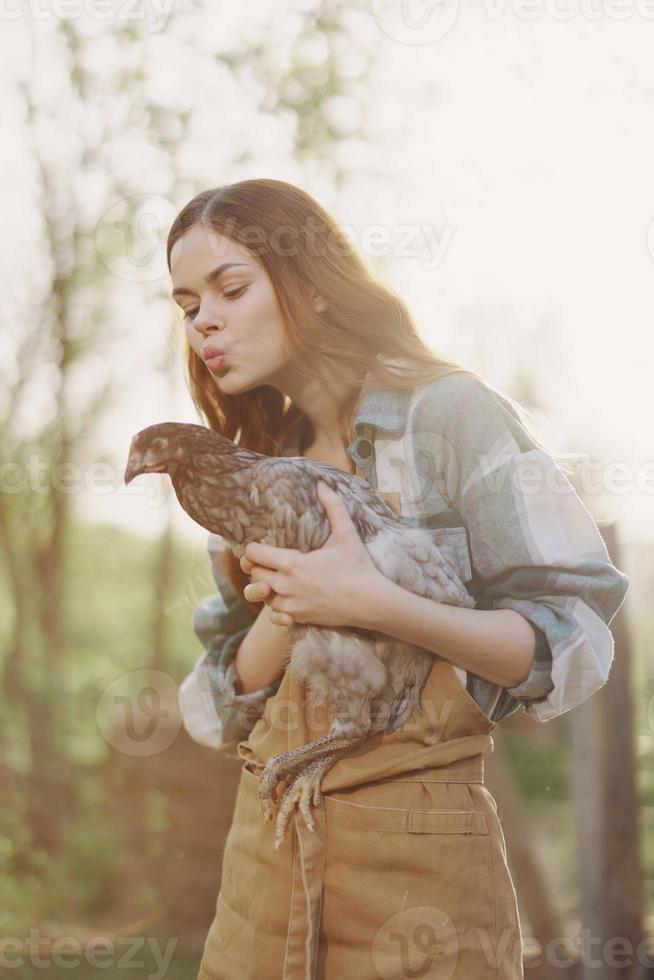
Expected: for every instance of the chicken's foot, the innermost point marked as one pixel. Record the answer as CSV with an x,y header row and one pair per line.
x,y
304,791
290,763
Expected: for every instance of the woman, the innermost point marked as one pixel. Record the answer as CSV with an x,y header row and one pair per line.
x,y
294,349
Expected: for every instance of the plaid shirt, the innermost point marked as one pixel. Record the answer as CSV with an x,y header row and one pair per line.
x,y
453,457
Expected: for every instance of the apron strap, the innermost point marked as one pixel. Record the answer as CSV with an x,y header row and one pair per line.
x,y
308,876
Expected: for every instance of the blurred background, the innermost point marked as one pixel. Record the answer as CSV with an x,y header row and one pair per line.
x,y
492,162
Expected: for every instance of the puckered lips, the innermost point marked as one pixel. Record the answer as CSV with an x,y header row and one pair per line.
x,y
214,357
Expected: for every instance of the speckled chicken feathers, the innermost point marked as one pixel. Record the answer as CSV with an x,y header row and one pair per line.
x,y
245,496
286,489
342,665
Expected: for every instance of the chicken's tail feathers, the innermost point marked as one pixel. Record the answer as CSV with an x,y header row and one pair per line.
x,y
403,707
407,668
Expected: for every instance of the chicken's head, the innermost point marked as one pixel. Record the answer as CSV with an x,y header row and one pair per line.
x,y
156,449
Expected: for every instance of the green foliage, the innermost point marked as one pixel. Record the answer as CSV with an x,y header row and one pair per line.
x,y
23,870
92,842
109,620
541,771
108,627
76,882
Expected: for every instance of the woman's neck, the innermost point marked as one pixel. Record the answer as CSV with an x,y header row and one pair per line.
x,y
314,449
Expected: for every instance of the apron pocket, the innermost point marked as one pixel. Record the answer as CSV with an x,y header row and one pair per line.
x,y
402,877
360,816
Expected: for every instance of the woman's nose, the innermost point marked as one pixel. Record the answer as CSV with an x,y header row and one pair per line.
x,y
206,323
206,328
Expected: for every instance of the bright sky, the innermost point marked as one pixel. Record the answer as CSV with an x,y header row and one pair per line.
x,y
520,150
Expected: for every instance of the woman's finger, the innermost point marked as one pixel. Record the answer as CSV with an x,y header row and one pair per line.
x,y
280,618
256,591
246,564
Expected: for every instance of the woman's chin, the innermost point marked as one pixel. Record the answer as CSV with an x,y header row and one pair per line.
x,y
228,382
222,373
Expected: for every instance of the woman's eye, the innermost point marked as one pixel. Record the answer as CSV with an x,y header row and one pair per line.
x,y
235,293
190,314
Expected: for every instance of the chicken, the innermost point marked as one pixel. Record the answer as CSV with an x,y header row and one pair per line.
x,y
370,681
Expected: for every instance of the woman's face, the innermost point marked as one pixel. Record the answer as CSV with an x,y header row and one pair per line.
x,y
235,310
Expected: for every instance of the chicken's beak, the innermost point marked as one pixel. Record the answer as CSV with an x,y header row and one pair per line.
x,y
134,461
130,473
136,467
133,468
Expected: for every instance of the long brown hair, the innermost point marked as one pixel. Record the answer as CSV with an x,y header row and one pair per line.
x,y
363,324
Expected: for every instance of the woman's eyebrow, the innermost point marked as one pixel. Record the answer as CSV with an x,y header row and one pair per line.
x,y
210,278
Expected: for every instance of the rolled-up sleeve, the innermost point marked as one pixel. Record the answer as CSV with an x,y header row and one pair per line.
x,y
534,545
212,712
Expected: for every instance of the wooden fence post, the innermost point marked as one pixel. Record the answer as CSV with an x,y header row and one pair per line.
x,y
606,806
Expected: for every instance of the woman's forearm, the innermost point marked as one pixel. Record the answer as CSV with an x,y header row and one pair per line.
x,y
263,653
496,644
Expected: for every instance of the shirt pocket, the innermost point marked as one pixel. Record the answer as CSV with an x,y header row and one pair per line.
x,y
454,542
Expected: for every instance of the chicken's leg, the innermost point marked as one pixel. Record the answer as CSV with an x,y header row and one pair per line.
x,y
308,764
289,763
303,791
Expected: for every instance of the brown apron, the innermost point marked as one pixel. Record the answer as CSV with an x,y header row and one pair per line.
x,y
405,874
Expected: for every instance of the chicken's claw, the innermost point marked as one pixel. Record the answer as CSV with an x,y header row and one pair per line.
x,y
308,762
304,790
268,810
274,771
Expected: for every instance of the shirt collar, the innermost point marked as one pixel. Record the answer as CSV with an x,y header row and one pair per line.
x,y
382,406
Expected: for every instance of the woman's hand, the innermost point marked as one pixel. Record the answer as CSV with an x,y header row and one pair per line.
x,y
330,586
